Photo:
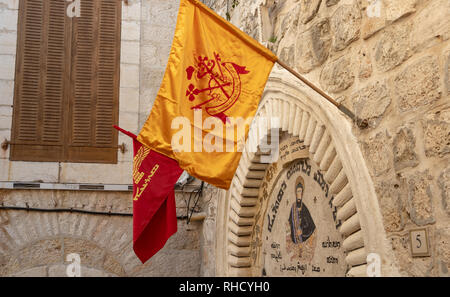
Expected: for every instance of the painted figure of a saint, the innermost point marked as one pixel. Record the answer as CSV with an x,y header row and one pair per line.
x,y
301,239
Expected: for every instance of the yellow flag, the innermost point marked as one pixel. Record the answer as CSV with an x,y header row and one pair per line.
x,y
215,76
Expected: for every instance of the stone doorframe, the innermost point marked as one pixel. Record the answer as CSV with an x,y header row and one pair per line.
x,y
333,147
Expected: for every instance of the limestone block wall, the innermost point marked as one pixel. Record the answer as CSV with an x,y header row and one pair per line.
x,y
387,61
8,40
158,20
36,243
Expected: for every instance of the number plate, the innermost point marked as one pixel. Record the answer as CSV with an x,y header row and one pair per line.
x,y
419,242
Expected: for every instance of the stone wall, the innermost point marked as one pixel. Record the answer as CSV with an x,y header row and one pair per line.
x,y
8,40
387,61
36,243
158,20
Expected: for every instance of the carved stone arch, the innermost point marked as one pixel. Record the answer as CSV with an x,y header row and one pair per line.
x,y
37,243
334,149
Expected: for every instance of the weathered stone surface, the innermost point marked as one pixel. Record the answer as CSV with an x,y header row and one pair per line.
x,y
9,20
129,76
132,11
129,100
331,2
404,149
392,205
377,151
96,201
363,4
41,253
130,31
385,154
345,24
58,270
207,251
10,4
443,251
437,134
90,254
186,238
33,171
444,185
112,266
308,9
40,271
447,72
8,42
151,76
94,272
5,117
287,54
119,173
420,205
371,102
432,25
398,9
409,266
313,46
364,64
153,60
129,52
248,25
392,48
7,89
170,263
288,22
425,89
32,243
9,265
374,17
4,170
159,12
337,76
152,33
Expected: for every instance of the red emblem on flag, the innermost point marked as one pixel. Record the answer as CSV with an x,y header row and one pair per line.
x,y
222,83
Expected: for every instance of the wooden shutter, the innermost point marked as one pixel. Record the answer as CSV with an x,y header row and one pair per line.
x,y
95,76
41,72
67,82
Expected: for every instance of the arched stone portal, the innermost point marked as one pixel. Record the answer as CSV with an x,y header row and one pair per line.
x,y
348,218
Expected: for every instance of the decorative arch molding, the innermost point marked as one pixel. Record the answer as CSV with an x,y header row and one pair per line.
x,y
335,150
37,243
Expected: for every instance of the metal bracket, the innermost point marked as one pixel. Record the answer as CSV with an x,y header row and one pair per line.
x,y
122,148
5,144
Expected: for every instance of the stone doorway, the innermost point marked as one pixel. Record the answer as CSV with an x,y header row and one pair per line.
x,y
338,176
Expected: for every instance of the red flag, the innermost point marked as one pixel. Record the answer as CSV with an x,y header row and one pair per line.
x,y
154,213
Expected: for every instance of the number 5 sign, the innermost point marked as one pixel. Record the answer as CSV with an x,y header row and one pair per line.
x,y
419,242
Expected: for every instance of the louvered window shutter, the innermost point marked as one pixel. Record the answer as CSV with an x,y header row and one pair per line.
x,y
95,75
67,82
41,68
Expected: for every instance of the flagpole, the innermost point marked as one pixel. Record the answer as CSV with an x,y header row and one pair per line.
x,y
361,123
